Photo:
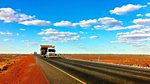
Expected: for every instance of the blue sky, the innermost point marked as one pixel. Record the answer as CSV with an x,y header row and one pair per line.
x,y
75,26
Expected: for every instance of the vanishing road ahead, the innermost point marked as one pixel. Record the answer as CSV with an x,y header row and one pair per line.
x,y
99,73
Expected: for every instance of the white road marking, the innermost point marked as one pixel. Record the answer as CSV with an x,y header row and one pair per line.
x,y
65,72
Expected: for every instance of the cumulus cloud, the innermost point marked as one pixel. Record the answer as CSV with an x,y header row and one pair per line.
x,y
54,32
81,32
114,28
134,37
22,29
88,23
61,39
36,22
125,9
127,27
109,21
134,26
142,21
65,24
147,14
10,15
8,39
83,23
7,15
5,33
93,37
148,3
29,43
23,17
139,15
99,27
53,35
100,23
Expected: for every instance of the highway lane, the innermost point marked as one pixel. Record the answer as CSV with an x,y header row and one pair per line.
x,y
54,75
100,73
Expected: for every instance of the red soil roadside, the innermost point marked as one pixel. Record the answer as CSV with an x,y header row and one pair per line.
x,y
23,71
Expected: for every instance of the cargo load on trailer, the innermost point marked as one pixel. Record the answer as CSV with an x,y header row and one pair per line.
x,y
48,50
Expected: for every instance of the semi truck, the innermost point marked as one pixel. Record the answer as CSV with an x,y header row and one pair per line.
x,y
47,50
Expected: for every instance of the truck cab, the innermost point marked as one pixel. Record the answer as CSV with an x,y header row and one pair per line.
x,y
51,52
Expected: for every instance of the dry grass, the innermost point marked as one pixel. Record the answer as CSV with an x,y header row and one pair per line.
x,y
6,61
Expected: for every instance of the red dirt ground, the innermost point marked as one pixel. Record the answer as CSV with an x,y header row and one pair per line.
x,y
5,57
23,71
133,60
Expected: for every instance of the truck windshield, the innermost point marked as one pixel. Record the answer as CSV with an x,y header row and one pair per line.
x,y
51,50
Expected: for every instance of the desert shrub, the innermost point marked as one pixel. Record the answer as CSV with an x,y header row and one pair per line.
x,y
5,68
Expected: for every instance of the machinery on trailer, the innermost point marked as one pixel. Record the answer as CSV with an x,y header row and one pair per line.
x,y
48,50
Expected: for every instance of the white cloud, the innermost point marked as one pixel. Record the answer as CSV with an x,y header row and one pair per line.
x,y
106,21
114,28
54,32
5,33
142,21
148,3
83,23
10,15
65,24
134,37
109,21
127,27
8,39
7,14
93,37
61,39
87,23
139,15
147,14
134,26
17,34
22,29
81,32
24,17
125,9
53,35
99,27
36,22
29,43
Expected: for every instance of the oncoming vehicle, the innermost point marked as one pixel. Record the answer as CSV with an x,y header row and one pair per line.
x,y
48,50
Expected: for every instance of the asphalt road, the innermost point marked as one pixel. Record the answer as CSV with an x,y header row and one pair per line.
x,y
100,73
54,75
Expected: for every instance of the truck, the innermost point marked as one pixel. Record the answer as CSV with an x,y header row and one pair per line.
x,y
47,50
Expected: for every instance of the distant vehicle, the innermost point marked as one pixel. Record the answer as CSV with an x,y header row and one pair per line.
x,y
35,53
48,50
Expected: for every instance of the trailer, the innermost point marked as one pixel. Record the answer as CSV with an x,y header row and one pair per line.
x,y
47,50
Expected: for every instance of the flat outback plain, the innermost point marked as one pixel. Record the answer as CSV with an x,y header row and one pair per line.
x,y
20,69
125,59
